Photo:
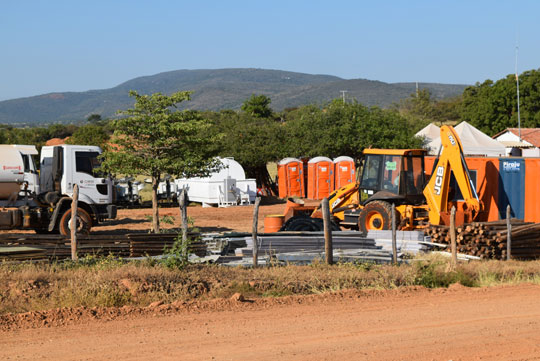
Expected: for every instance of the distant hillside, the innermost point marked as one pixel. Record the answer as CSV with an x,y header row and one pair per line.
x,y
212,90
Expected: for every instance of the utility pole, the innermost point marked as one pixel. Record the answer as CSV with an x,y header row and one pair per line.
x,y
517,85
343,95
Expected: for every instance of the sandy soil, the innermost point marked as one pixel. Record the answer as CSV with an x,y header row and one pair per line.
x,y
415,324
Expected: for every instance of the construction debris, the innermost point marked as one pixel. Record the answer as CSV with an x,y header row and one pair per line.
x,y
308,247
474,241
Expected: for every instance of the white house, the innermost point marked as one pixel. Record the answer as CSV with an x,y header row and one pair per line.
x,y
527,146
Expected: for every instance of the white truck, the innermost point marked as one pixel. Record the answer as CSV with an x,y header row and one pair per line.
x,y
42,201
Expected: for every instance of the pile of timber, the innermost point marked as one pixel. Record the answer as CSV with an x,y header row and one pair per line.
x,y
58,247
489,239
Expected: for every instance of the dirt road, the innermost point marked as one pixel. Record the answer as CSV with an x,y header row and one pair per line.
x,y
456,324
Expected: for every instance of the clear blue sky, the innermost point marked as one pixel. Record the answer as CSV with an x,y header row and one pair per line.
x,y
56,46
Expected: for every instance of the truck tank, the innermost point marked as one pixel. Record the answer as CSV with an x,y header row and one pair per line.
x,y
11,171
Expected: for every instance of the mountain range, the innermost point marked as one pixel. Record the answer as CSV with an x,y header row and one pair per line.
x,y
213,90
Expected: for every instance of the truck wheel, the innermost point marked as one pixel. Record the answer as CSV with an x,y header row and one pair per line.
x,y
376,215
84,222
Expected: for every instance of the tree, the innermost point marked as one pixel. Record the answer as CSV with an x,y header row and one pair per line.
x,y
492,106
345,129
90,135
421,109
258,106
251,141
155,139
61,131
94,118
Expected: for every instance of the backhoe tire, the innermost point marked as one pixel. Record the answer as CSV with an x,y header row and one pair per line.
x,y
376,215
84,222
306,224
43,231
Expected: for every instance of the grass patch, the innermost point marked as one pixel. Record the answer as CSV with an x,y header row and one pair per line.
x,y
108,281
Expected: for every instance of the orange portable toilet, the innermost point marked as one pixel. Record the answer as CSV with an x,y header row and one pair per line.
x,y
291,178
320,177
343,171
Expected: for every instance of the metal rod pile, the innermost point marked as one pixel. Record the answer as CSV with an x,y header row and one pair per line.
x,y
58,247
488,239
285,242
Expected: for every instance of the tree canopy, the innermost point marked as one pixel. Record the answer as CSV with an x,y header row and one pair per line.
x,y
90,135
492,106
154,138
258,106
345,129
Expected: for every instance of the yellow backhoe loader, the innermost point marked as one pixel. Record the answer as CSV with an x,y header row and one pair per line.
x,y
397,176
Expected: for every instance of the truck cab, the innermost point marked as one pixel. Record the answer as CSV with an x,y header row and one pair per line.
x,y
64,166
42,201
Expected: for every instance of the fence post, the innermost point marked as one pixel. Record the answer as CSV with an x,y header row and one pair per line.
x,y
327,223
183,213
254,232
394,235
453,235
509,234
73,222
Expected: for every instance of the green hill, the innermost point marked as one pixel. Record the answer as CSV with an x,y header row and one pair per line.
x,y
212,90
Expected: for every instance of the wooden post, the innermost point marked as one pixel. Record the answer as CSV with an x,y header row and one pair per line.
x,y
394,241
254,232
327,223
183,213
453,244
509,234
73,222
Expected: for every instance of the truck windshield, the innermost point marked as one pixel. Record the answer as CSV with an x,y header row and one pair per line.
x,y
88,162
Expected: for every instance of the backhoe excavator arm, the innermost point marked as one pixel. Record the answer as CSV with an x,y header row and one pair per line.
x,y
451,159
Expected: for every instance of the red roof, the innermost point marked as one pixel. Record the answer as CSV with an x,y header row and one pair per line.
x,y
531,135
56,141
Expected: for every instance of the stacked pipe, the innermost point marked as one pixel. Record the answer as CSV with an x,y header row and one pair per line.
x,y
489,239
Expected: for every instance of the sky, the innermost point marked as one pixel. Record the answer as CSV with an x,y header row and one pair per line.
x,y
74,45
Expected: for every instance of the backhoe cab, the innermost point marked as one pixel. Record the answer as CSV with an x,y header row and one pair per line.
x,y
388,176
394,174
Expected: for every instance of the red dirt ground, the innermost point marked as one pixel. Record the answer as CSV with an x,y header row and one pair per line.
x,y
501,323
212,219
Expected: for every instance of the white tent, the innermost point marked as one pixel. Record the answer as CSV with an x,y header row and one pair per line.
x,y
474,142
430,132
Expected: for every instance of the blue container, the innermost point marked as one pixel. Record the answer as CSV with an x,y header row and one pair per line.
x,y
512,187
